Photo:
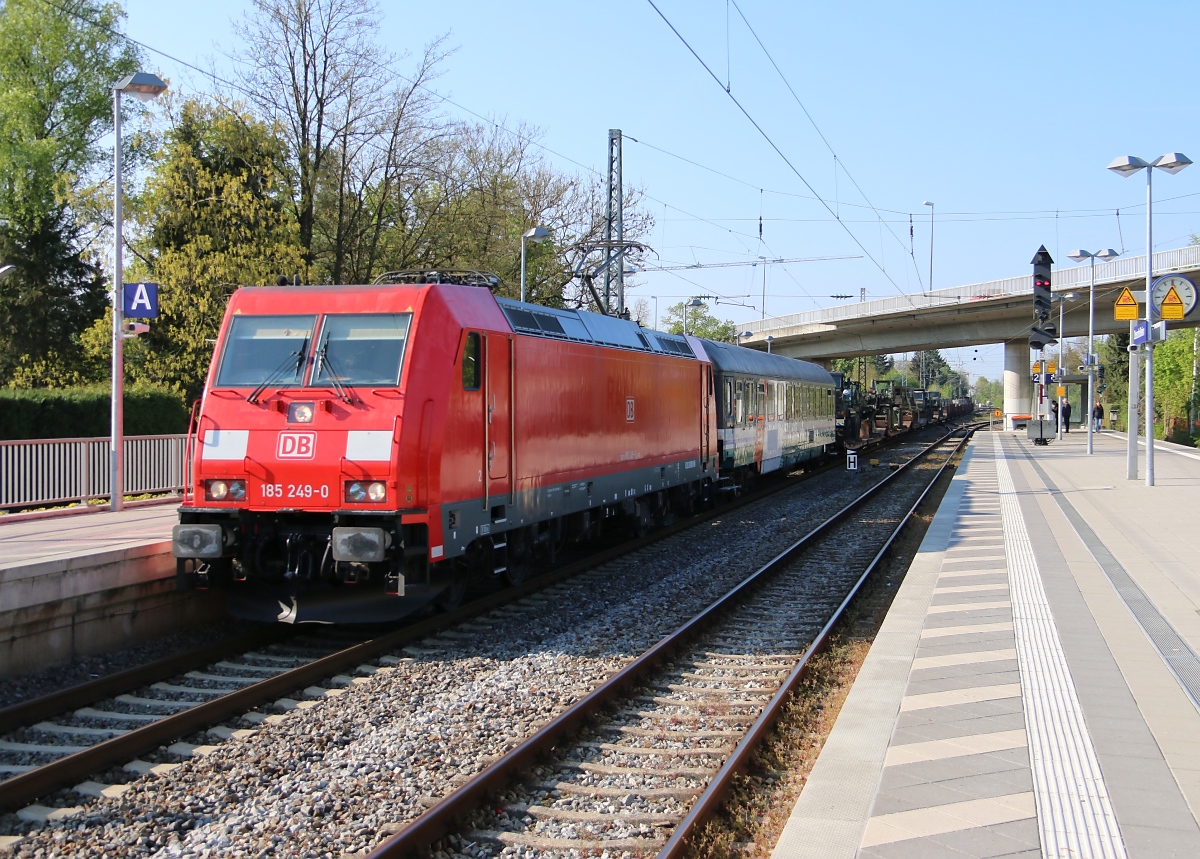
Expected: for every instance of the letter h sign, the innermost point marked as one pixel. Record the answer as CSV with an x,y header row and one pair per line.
x,y
140,301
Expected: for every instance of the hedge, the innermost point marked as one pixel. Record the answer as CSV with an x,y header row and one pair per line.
x,y
85,412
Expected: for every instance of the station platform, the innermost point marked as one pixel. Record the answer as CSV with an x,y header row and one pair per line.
x,y
27,541
1034,688
83,583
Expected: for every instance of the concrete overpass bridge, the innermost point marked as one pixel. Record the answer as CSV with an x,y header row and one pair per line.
x,y
997,311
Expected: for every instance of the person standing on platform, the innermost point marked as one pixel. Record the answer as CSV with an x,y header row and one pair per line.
x,y
1066,415
1054,413
1097,416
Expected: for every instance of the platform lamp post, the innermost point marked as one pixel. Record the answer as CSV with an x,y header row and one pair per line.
x,y
1091,363
1062,304
144,87
1127,165
770,340
537,235
695,302
742,334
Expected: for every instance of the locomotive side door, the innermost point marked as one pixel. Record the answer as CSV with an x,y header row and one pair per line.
x,y
498,367
706,383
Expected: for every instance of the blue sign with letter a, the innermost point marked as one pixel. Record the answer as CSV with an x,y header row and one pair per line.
x,y
140,301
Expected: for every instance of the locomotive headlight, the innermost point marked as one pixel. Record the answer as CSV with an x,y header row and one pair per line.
x,y
216,490
237,490
300,413
362,491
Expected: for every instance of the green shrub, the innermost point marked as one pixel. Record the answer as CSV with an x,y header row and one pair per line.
x,y
85,412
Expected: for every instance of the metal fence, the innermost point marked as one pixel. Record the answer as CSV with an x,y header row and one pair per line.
x,y
55,471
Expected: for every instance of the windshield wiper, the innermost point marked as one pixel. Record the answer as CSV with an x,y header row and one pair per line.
x,y
278,371
323,361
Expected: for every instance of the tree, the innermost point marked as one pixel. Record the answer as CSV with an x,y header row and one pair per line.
x,y
987,391
1114,357
1173,384
56,77
929,368
700,323
352,125
215,215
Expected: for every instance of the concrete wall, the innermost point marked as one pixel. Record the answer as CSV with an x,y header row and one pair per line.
x,y
52,612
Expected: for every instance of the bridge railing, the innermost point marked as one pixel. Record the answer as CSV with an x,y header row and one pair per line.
x,y
62,470
1165,262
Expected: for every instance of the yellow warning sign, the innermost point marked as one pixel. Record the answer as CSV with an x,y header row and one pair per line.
x,y
1060,391
996,413
1126,307
1172,305
1052,368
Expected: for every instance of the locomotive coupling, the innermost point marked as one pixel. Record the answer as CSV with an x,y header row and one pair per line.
x,y
361,545
197,541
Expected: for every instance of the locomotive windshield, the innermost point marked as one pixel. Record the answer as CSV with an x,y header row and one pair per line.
x,y
361,349
266,350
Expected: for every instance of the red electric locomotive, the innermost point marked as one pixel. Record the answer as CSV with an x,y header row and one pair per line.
x,y
362,450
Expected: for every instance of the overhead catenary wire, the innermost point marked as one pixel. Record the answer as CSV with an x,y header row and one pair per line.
x,y
774,146
816,127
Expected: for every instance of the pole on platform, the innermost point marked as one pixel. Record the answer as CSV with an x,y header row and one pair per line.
x,y
1149,327
1091,364
1127,165
1062,305
115,438
144,87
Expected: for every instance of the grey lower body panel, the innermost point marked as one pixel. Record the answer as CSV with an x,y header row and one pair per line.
x,y
466,521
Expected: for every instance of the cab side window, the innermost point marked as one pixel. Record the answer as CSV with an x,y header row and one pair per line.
x,y
471,362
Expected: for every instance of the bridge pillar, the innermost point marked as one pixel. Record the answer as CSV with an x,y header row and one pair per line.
x,y
1018,386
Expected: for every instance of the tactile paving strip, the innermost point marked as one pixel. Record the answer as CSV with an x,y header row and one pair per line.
x,y
1075,816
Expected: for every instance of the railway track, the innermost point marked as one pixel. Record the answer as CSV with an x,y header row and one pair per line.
x,y
236,686
653,750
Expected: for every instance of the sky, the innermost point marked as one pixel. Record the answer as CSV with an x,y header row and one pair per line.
x,y
1003,115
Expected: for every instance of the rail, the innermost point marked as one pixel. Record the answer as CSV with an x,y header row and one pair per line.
x,y
1116,271
420,833
63,470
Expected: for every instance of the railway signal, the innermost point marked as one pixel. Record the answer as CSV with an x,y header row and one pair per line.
x,y
1042,333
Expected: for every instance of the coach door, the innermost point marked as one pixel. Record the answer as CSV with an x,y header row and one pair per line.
x,y
497,449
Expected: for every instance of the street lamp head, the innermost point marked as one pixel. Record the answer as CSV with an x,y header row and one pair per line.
x,y
927,203
1106,254
143,86
1127,165
537,235
746,334
1172,162
6,270
695,302
1070,296
1080,255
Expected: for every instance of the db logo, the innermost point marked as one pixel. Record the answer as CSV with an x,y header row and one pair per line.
x,y
296,445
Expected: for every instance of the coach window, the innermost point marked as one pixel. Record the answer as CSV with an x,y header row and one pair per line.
x,y
729,402
740,417
471,362
762,399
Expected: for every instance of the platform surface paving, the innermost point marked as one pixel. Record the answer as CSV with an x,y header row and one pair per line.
x,y
35,540
1033,690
